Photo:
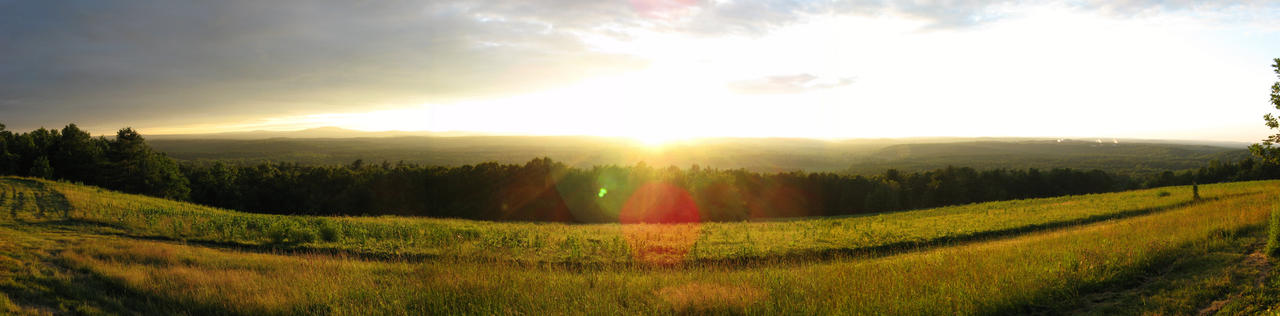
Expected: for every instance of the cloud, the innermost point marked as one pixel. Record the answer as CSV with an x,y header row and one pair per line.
x,y
147,61
132,61
784,84
950,14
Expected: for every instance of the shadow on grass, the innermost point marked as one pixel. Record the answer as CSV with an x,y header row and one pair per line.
x,y
43,203
78,225
912,246
83,292
1075,300
285,248
79,291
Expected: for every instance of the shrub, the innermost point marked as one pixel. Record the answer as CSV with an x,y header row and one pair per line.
x,y
287,231
329,231
301,235
277,233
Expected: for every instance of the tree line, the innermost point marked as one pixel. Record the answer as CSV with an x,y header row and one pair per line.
x,y
543,189
124,163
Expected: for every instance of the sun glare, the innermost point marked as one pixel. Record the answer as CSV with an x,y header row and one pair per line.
x,y
655,140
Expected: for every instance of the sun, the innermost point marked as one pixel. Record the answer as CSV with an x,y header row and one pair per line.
x,y
666,137
655,140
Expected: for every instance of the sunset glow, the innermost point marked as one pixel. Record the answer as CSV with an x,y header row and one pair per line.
x,y
671,70
639,157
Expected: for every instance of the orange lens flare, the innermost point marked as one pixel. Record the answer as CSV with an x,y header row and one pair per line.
x,y
661,224
660,203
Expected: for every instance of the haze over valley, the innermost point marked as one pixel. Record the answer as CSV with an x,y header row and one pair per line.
x,y
639,157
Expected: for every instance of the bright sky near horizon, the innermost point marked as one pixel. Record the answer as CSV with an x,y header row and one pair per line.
x,y
654,70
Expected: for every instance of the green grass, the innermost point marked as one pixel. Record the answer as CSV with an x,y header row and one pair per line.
x,y
1262,299
1273,234
1204,277
605,243
94,251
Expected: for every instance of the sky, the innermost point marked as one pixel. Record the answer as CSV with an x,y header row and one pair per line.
x,y
654,70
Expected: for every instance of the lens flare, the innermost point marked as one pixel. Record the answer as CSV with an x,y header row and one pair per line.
x,y
661,223
659,203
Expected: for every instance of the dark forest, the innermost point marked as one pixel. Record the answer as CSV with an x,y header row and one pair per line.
x,y
546,190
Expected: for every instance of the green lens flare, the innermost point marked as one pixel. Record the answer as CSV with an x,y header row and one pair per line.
x,y
602,192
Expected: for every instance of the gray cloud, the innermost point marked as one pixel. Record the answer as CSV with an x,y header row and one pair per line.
x,y
170,61
111,63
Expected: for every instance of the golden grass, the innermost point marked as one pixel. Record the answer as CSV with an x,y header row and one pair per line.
x,y
1033,271
701,297
661,244
612,243
977,278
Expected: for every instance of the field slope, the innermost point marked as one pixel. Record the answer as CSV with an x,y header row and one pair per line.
x,y
84,250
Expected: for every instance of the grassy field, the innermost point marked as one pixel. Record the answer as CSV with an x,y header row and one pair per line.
x,y
69,248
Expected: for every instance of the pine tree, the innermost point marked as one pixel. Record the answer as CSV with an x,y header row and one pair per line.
x,y
41,168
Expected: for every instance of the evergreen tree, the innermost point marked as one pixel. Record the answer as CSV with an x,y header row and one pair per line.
x,y
135,168
7,159
41,168
78,156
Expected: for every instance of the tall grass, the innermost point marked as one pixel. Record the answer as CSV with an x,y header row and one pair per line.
x,y
84,255
1045,269
606,243
1273,232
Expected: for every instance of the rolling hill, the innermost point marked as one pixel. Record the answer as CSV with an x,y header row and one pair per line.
x,y
858,156
80,249
1122,158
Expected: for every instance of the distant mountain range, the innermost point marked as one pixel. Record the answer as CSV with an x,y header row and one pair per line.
x,y
338,132
859,156
319,132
